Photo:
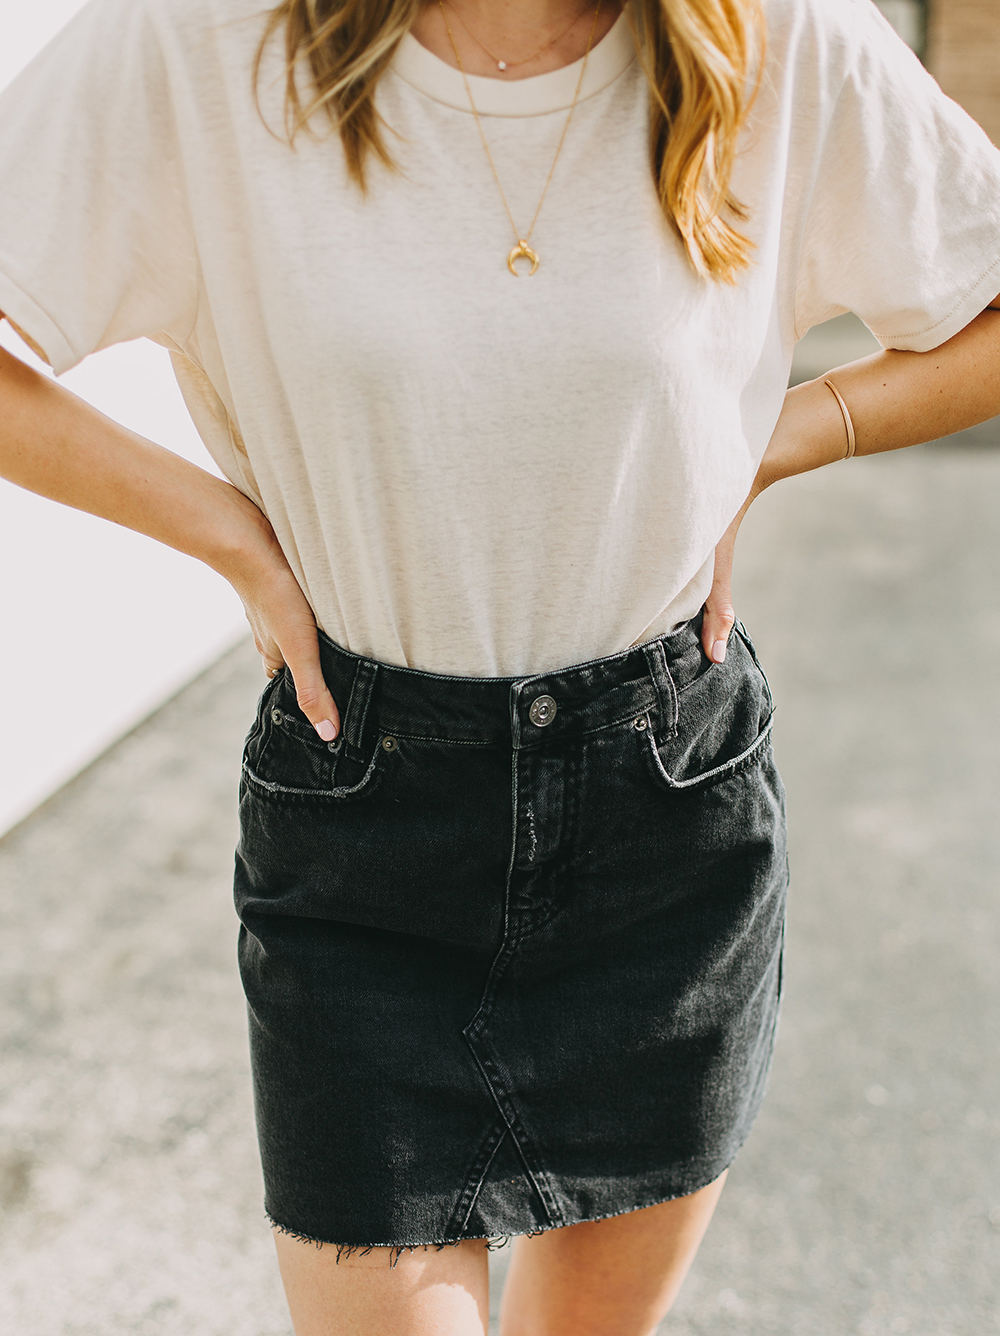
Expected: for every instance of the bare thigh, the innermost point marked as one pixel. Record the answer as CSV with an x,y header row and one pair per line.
x,y
614,1277
429,1292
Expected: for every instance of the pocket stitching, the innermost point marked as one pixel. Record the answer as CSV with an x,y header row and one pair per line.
x,y
344,791
719,772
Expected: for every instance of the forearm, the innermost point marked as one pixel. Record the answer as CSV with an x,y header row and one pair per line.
x,y
895,399
55,444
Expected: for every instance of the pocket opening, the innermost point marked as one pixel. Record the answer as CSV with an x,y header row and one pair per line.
x,y
724,719
284,756
716,774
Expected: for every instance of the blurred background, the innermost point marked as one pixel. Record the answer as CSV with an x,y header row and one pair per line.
x,y
81,598
868,1199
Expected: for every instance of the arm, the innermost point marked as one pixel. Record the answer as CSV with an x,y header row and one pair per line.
x,y
895,399
55,444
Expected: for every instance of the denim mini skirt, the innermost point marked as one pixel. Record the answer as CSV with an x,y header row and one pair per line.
x,y
511,946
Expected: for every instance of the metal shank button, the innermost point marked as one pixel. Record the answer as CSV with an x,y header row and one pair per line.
x,y
543,711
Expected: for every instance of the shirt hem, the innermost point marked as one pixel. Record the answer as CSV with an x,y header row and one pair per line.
x,y
965,310
24,311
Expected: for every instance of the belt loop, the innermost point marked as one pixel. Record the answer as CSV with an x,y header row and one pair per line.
x,y
357,708
666,692
515,714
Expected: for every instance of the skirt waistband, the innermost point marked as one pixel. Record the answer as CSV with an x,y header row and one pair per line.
x,y
522,711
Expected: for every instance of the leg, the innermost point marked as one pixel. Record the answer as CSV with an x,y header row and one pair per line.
x,y
613,1277
427,1293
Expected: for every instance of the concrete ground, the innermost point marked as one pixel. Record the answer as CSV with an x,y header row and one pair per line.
x,y
868,1198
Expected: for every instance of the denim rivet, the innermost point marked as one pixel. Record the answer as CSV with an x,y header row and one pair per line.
x,y
640,723
543,711
276,716
389,744
334,746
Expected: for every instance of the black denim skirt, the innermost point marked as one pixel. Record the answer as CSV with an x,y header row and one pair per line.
x,y
511,946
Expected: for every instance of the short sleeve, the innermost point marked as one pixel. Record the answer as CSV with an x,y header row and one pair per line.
x,y
96,243
903,226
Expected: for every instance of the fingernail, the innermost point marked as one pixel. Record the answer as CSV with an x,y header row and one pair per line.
x,y
719,651
326,730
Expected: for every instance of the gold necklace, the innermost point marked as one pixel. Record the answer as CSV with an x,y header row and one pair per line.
x,y
513,64
522,251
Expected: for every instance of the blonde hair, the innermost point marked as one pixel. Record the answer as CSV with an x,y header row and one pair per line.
x,y
702,60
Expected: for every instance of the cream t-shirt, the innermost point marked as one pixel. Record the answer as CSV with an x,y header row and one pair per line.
x,y
469,472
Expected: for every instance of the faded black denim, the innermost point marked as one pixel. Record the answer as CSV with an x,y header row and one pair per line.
x,y
509,969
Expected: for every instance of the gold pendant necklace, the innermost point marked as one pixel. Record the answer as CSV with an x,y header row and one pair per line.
x,y
522,250
514,64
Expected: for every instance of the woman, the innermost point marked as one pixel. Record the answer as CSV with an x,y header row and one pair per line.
x,y
492,353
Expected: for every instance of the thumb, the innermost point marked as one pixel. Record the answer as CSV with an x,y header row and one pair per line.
x,y
719,617
311,691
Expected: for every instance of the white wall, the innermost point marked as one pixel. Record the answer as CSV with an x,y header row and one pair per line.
x,y
97,625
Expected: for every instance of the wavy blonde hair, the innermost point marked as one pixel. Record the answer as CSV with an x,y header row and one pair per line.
x,y
702,60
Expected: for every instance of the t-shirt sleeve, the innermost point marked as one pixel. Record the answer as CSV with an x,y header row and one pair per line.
x,y
903,225
96,243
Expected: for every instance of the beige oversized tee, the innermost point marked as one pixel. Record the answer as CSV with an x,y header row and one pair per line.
x,y
469,472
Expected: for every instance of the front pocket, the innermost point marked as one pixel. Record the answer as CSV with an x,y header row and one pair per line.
x,y
724,720
285,757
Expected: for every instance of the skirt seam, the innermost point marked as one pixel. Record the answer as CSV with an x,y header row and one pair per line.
x,y
469,1195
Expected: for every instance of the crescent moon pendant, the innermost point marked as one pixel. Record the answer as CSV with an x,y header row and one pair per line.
x,y
522,251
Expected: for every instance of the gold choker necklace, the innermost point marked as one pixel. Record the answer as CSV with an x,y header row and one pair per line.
x,y
522,250
514,64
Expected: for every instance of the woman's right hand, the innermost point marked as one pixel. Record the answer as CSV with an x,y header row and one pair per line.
x,y
56,445
284,632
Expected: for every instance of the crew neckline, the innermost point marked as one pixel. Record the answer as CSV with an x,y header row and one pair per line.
x,y
537,96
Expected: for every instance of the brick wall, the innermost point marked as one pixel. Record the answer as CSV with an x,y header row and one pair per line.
x,y
963,54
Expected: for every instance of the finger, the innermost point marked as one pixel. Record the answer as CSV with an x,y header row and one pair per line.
x,y
716,626
719,616
311,691
270,655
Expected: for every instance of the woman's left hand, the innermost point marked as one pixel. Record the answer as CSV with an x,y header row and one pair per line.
x,y
719,616
895,399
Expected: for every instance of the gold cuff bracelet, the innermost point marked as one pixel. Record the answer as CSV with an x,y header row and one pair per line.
x,y
852,440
